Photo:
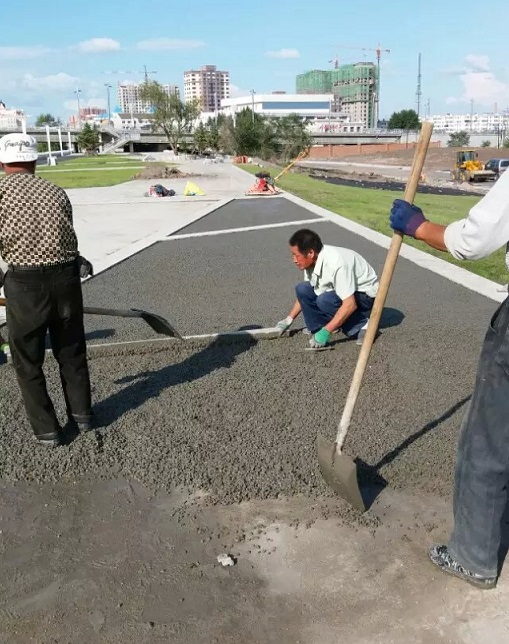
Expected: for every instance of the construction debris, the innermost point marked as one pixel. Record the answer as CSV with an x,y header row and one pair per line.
x,y
162,172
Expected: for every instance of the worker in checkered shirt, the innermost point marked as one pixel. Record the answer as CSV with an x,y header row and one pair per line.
x,y
43,289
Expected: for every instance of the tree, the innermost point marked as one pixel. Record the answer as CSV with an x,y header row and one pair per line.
x,y
404,120
88,139
174,117
459,139
486,144
47,119
505,144
201,138
292,135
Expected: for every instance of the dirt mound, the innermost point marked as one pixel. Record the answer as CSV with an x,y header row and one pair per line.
x,y
162,172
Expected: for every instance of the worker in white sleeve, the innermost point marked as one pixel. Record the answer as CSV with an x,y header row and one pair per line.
x,y
482,467
337,293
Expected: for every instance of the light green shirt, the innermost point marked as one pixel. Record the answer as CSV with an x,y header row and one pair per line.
x,y
342,270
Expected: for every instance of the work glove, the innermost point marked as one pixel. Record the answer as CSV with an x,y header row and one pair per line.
x,y
284,325
86,268
406,217
319,339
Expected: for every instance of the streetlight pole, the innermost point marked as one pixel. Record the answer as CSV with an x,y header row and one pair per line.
x,y
77,91
252,105
108,87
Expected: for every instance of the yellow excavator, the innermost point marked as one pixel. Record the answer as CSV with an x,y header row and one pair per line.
x,y
469,168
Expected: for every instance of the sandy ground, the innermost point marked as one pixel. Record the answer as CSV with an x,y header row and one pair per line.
x,y
205,448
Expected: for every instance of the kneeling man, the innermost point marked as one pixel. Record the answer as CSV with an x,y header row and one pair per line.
x,y
337,293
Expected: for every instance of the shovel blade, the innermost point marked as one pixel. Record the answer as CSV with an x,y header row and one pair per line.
x,y
159,324
340,473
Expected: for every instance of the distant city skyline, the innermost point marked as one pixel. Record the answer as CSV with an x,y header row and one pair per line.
x,y
42,65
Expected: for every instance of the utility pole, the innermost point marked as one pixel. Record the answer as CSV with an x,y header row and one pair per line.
x,y
252,105
77,91
418,93
428,108
108,87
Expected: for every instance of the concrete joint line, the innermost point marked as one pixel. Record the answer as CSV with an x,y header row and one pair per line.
x,y
228,231
453,273
257,334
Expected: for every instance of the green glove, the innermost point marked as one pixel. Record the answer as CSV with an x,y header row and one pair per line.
x,y
320,338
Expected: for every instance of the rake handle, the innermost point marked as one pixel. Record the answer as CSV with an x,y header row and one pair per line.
x,y
385,282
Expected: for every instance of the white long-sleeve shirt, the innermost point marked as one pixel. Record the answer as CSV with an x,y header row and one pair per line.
x,y
486,229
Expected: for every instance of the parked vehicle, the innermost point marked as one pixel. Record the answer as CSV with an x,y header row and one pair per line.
x,y
498,166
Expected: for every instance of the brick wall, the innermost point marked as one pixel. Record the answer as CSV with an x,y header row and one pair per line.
x,y
338,151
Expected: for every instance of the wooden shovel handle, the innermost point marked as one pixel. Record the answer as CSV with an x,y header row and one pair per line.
x,y
385,281
2,301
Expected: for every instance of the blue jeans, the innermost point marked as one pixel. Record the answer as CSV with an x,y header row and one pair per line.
x,y
318,310
482,468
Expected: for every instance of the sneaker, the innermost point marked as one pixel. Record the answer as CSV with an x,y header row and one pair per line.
x,y
362,334
440,557
50,440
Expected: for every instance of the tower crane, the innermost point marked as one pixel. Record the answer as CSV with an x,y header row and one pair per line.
x,y
378,51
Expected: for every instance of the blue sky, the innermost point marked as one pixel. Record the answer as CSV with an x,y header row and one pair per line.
x,y
51,47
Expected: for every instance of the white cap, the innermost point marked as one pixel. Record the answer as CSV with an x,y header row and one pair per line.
x,y
17,147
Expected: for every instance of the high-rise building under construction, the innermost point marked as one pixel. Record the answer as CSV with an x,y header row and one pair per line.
x,y
353,86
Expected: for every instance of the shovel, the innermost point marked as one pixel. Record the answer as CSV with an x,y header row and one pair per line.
x,y
156,322
338,469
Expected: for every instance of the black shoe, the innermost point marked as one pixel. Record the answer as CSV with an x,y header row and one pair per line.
x,y
440,557
50,440
84,423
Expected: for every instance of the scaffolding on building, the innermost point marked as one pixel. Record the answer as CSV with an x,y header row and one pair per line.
x,y
354,86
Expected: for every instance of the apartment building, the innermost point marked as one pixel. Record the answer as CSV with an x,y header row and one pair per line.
x,y
353,87
488,122
207,84
129,100
10,119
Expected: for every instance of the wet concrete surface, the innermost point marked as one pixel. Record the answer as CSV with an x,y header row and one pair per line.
x,y
249,212
205,448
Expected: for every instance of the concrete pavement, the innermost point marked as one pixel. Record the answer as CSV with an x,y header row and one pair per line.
x,y
209,448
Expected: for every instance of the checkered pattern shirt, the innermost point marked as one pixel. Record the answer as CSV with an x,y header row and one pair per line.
x,y
36,227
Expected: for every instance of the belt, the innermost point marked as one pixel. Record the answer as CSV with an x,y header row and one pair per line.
x,y
43,269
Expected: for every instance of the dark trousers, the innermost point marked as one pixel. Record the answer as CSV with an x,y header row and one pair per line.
x,y
38,301
482,468
318,310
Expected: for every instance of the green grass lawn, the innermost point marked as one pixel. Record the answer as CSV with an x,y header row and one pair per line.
x,y
89,179
89,172
371,208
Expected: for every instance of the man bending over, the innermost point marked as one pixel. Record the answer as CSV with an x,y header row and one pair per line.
x,y
337,293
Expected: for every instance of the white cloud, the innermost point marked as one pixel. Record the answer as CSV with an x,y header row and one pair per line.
x,y
236,91
478,63
54,82
479,84
283,53
166,44
98,46
23,53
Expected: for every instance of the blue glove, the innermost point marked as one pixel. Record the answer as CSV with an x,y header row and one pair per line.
x,y
406,217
